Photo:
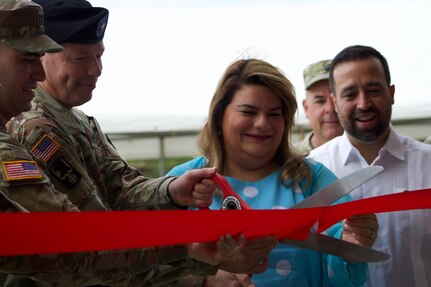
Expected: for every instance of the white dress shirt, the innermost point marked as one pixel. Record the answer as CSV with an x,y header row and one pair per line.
x,y
405,235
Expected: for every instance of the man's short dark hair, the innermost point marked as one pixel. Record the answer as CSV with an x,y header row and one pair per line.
x,y
354,53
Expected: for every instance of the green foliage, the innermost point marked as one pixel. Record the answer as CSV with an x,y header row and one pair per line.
x,y
150,167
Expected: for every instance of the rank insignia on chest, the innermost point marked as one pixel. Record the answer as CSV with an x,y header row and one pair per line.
x,y
45,148
21,170
65,173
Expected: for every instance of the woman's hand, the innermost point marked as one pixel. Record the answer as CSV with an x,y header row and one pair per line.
x,y
235,255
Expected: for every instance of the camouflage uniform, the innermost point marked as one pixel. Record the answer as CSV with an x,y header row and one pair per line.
x,y
143,267
313,73
304,146
81,162
189,281
316,72
30,191
24,187
136,267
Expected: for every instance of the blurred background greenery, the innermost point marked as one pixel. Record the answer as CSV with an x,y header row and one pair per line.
x,y
150,167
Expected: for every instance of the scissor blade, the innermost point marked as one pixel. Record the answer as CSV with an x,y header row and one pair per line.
x,y
333,192
330,245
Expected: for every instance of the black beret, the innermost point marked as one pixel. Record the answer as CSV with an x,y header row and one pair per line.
x,y
74,21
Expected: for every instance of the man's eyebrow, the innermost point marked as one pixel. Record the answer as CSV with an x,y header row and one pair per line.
x,y
348,89
318,96
374,84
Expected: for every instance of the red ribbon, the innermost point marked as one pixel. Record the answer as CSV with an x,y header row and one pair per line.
x,y
407,200
57,232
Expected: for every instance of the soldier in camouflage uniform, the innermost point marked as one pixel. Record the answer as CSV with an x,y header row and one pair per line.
x,y
82,163
24,187
318,107
79,159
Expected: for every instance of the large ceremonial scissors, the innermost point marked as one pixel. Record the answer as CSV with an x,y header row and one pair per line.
x,y
324,197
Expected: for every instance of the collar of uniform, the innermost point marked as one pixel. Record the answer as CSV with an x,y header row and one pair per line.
x,y
308,139
62,114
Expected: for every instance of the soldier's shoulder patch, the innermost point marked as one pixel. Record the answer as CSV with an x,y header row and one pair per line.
x,y
45,147
21,170
65,173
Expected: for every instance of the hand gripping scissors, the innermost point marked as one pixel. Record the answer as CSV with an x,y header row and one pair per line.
x,y
324,197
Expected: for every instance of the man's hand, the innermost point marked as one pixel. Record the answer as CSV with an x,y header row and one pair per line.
x,y
213,253
226,279
236,256
251,256
194,188
361,229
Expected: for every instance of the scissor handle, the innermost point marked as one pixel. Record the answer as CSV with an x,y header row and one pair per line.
x,y
231,200
229,193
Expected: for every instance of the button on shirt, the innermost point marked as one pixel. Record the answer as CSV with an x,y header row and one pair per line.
x,y
405,235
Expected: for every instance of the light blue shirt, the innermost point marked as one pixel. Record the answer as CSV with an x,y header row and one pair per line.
x,y
291,266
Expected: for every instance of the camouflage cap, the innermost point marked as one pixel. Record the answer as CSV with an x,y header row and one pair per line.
x,y
21,27
316,72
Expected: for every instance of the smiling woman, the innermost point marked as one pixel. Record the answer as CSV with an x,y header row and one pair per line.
x,y
247,137
252,126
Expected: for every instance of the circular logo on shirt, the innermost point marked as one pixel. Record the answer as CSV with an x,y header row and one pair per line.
x,y
231,203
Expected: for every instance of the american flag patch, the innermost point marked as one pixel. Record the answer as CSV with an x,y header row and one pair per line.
x,y
22,169
45,148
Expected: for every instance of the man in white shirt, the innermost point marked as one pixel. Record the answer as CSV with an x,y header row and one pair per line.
x,y
363,96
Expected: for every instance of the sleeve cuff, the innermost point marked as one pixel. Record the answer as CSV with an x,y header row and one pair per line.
x,y
164,200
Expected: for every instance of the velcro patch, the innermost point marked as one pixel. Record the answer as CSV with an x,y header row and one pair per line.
x,y
21,170
65,173
45,148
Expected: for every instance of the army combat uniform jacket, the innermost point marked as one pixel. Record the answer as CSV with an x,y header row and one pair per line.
x,y
30,190
68,164
304,146
81,162
23,185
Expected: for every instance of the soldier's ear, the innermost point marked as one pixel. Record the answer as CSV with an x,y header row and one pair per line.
x,y
392,91
305,107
